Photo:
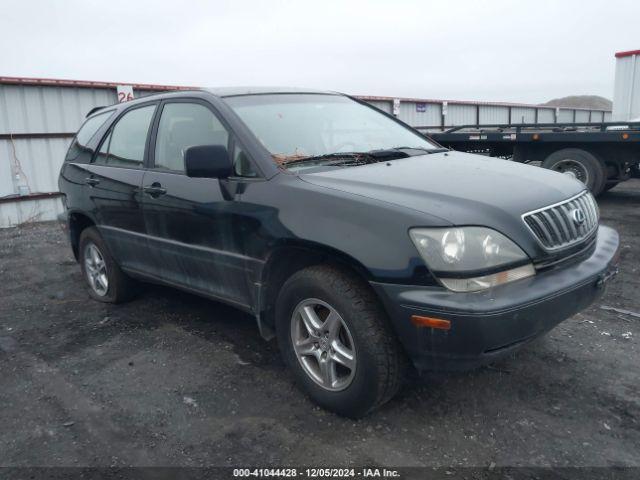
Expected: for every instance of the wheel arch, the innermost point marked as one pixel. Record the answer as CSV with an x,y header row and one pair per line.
x,y
78,221
288,258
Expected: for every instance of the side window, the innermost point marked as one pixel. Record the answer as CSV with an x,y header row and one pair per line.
x,y
124,146
86,133
91,126
184,125
103,151
242,166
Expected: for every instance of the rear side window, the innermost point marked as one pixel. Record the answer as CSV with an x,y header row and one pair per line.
x,y
91,126
101,156
86,133
124,146
184,125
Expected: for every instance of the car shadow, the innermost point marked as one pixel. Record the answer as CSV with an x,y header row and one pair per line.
x,y
213,321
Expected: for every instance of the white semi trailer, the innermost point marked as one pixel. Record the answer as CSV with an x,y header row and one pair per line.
x,y
626,94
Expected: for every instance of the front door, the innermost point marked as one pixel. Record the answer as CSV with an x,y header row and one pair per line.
x,y
190,221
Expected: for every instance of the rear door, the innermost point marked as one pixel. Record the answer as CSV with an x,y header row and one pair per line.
x,y
114,180
74,174
192,234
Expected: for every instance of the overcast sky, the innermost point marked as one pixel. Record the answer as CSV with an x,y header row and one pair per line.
x,y
521,51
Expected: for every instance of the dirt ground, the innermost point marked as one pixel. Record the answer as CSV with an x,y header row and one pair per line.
x,y
172,379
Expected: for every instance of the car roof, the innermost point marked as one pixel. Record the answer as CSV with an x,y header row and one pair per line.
x,y
237,91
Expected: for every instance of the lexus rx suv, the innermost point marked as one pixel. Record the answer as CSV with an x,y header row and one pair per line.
x,y
358,242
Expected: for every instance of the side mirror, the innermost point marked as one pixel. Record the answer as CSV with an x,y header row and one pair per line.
x,y
207,161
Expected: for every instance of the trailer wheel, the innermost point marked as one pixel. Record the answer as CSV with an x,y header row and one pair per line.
x,y
580,164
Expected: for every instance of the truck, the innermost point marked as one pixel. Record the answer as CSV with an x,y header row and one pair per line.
x,y
601,155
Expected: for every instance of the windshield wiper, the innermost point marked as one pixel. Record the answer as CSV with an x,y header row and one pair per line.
x,y
422,149
325,159
360,158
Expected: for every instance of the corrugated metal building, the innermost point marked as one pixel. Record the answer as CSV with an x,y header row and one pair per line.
x,y
626,94
441,114
38,118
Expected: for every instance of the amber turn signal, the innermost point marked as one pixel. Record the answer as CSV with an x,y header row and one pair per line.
x,y
431,322
625,136
536,136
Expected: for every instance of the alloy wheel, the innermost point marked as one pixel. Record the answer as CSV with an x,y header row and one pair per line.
x,y
323,344
96,269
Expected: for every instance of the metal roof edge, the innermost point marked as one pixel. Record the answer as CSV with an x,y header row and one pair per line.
x,y
628,53
56,82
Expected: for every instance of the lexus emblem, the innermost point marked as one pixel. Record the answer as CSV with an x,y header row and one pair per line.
x,y
578,216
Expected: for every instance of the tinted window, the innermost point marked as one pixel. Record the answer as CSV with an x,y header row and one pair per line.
x,y
91,126
184,125
86,133
101,157
125,144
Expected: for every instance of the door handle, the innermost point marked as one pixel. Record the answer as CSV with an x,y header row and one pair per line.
x,y
154,190
91,181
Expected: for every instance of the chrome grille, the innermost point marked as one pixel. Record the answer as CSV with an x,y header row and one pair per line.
x,y
558,226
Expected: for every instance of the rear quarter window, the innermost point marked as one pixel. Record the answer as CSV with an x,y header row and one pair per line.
x,y
85,134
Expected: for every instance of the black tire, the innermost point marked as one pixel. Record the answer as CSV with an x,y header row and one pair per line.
x,y
593,168
380,360
120,287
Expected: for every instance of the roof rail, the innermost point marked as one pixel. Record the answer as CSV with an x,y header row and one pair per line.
x,y
94,110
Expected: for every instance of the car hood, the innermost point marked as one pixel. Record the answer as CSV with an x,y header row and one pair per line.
x,y
457,187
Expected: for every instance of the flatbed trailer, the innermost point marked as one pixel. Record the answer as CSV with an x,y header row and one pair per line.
x,y
601,155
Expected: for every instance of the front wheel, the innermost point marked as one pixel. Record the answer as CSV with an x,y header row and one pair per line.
x,y
337,341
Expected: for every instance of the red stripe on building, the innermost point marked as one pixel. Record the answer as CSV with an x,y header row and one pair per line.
x,y
628,53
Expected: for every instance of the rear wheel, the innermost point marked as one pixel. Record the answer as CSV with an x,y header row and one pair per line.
x,y
337,341
579,164
106,281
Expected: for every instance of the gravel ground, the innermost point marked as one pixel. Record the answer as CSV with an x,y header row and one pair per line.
x,y
172,379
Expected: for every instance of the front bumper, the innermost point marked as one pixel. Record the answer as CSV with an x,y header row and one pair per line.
x,y
489,324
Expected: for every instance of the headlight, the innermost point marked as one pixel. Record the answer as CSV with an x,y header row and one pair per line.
x,y
471,258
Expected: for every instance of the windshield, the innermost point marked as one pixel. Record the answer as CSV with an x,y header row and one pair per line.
x,y
294,127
